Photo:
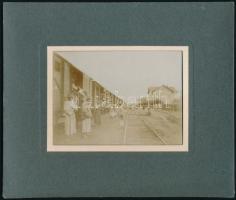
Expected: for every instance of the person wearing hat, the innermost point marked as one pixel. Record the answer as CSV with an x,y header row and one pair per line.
x,y
86,117
70,120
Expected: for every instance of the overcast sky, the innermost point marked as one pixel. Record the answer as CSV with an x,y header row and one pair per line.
x,y
130,72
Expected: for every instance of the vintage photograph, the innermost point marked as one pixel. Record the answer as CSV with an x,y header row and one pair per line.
x,y
114,98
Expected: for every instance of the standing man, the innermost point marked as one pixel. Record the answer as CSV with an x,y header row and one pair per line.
x,y
86,117
97,114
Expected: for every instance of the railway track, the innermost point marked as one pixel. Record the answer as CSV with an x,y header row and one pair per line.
x,y
141,123
153,130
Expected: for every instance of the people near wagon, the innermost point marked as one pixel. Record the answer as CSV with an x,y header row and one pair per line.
x,y
70,120
86,117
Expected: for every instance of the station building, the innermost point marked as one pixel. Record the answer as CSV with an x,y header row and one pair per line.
x,y
163,96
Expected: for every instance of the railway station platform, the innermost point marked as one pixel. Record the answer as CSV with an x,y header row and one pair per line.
x,y
161,127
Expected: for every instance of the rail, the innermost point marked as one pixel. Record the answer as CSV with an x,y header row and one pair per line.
x,y
151,128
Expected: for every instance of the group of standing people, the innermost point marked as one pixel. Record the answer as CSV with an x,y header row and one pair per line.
x,y
80,115
76,115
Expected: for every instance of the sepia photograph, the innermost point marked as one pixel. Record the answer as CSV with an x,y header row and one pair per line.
x,y
117,98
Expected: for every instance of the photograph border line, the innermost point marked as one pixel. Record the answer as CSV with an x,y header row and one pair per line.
x,y
119,148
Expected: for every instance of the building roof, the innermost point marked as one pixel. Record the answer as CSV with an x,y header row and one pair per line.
x,y
169,88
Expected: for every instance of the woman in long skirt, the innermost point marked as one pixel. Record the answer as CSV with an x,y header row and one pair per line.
x,y
70,120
